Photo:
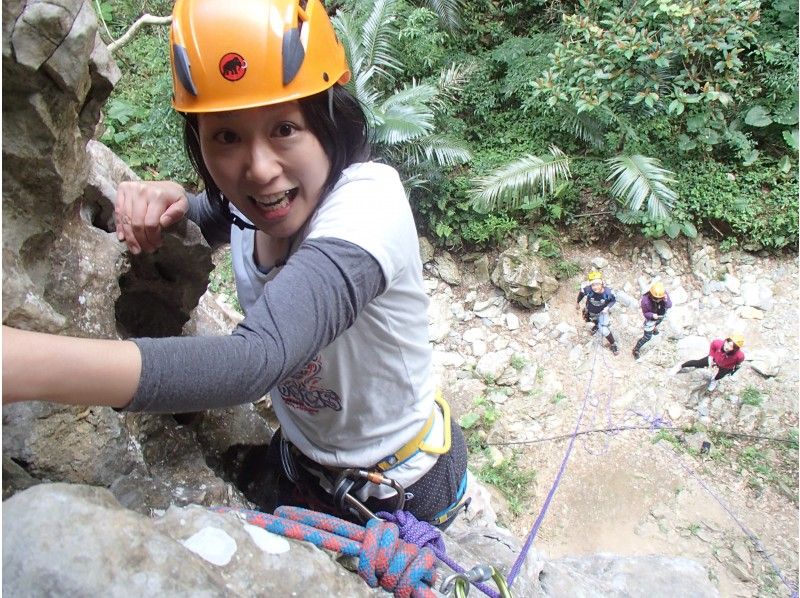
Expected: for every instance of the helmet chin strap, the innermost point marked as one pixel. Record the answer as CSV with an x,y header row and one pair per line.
x,y
233,218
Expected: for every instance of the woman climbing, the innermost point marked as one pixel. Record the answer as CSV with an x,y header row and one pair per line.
x,y
726,354
327,269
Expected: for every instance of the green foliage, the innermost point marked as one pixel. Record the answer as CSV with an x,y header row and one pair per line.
x,y
139,124
518,361
221,281
751,396
402,115
484,415
513,482
563,269
650,57
793,444
756,207
640,180
668,436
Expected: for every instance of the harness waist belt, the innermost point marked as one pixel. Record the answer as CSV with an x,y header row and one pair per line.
x,y
418,442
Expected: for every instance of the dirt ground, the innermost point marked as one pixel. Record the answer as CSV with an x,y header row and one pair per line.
x,y
627,494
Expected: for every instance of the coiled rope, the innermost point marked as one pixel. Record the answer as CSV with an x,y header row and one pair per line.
x,y
383,558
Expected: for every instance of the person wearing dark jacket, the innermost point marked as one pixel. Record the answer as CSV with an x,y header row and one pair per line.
x,y
654,304
599,299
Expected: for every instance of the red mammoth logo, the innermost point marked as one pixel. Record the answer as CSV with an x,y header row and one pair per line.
x,y
232,66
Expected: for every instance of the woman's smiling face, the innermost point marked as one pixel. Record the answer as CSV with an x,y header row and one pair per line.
x,y
267,162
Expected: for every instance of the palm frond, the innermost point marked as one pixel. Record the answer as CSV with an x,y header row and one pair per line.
x,y
378,36
452,81
411,95
508,185
440,150
639,180
449,12
348,32
586,126
402,123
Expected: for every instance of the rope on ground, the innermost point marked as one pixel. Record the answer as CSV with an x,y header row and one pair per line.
x,y
515,569
627,428
760,548
383,558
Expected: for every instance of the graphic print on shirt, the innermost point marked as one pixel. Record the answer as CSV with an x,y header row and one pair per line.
x,y
301,390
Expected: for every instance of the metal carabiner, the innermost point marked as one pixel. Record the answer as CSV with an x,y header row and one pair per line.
x,y
479,573
347,502
458,583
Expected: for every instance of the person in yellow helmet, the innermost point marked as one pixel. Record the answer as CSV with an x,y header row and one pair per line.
x,y
599,300
327,268
726,354
654,303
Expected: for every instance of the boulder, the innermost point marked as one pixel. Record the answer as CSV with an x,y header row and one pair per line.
x,y
522,276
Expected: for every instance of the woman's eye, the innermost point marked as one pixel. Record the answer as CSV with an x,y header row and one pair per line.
x,y
284,130
226,137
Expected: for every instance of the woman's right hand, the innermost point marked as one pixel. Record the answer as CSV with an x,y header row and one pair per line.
x,y
144,208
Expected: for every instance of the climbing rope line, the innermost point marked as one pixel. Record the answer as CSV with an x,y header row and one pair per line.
x,y
759,546
627,428
515,569
599,403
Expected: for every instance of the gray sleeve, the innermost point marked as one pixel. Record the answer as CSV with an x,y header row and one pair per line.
x,y
315,297
215,227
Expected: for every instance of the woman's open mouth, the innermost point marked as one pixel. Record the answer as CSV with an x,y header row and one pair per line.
x,y
275,205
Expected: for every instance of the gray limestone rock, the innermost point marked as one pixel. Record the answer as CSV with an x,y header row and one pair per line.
x,y
522,275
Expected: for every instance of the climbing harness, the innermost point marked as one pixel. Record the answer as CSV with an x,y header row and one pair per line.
x,y
342,484
418,443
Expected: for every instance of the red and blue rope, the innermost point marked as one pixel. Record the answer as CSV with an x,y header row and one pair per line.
x,y
383,557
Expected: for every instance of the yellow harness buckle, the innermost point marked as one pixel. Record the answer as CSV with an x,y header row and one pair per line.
x,y
418,442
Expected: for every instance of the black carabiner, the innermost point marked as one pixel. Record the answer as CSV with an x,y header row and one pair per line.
x,y
349,503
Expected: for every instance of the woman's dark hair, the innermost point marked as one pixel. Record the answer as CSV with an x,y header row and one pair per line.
x,y
334,116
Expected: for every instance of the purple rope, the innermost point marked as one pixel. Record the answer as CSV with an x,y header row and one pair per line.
x,y
655,424
535,529
425,535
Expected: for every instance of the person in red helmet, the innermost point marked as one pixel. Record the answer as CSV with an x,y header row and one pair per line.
x,y
726,354
326,261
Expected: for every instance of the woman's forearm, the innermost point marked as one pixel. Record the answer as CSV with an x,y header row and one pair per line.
x,y
75,371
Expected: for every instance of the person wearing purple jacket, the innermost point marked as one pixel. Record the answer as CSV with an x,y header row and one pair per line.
x,y
654,304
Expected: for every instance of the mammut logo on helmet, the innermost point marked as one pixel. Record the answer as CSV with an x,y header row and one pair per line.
x,y
232,66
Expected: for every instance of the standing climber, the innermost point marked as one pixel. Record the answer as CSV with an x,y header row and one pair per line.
x,y
599,299
654,304
726,354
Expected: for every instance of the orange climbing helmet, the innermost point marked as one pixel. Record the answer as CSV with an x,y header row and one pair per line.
x,y
235,54
657,290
